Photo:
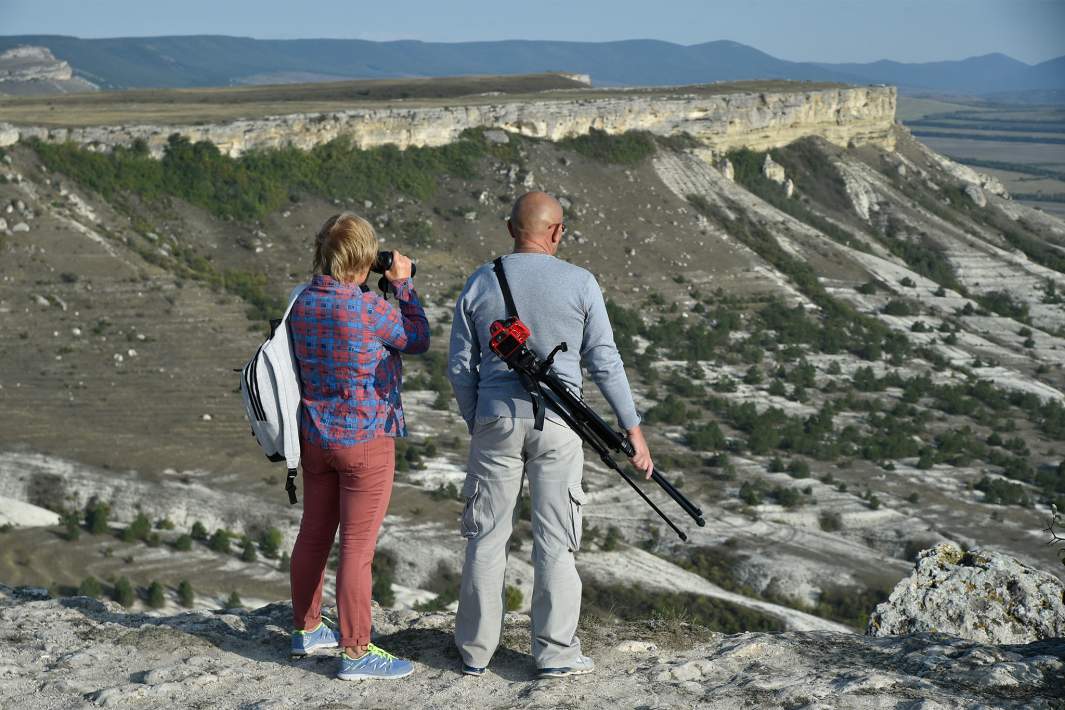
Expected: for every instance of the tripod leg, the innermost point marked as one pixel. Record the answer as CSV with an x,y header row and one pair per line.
x,y
613,464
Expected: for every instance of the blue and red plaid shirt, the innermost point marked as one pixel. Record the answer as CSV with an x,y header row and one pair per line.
x,y
347,342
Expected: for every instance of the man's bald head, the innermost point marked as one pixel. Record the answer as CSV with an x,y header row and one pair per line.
x,y
534,212
536,223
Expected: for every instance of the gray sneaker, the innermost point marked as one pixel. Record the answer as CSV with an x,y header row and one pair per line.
x,y
582,666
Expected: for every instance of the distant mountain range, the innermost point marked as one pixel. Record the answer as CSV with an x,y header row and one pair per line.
x,y
211,60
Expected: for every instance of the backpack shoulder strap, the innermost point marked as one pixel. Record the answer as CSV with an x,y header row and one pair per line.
x,y
501,276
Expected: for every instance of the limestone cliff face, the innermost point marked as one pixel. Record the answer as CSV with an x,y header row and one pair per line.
x,y
759,121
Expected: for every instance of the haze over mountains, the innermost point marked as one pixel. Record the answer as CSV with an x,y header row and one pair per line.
x,y
210,60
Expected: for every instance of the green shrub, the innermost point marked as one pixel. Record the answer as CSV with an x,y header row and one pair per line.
x,y
233,602
220,541
705,437
830,521
138,529
622,149
123,592
198,532
612,539
752,493
270,543
383,571
797,468
183,543
514,598
445,584
633,603
186,597
90,587
285,563
247,550
156,598
96,515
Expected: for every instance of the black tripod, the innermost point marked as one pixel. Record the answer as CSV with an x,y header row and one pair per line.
x,y
508,342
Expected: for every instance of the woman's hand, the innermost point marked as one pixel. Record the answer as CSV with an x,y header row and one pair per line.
x,y
400,270
641,459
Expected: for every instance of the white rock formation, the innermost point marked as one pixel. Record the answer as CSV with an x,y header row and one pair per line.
x,y
726,168
979,595
844,116
35,70
774,170
84,651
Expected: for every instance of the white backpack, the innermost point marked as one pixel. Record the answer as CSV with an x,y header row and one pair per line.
x,y
270,387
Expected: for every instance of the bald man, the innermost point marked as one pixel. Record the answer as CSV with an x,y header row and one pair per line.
x,y
559,302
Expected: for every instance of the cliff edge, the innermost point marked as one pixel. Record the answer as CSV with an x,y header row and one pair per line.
x,y
79,652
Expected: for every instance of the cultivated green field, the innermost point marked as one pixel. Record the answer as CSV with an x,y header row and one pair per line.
x,y
1023,147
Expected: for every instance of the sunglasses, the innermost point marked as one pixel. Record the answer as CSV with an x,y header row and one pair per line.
x,y
550,226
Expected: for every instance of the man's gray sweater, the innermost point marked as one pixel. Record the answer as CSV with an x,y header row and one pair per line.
x,y
559,302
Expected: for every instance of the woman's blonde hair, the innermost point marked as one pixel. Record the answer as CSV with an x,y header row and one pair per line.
x,y
345,247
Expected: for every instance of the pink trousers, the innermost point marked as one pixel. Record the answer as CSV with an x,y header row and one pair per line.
x,y
347,488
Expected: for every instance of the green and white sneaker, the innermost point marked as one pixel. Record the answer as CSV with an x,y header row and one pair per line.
x,y
375,663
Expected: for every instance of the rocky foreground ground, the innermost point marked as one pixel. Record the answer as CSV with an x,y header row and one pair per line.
x,y
78,652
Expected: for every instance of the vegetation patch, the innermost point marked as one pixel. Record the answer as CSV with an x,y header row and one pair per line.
x,y
618,149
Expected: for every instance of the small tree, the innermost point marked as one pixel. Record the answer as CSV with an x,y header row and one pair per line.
x,y
156,598
247,550
96,514
198,532
612,539
186,597
71,525
234,601
183,543
219,542
270,543
285,564
90,587
138,529
123,592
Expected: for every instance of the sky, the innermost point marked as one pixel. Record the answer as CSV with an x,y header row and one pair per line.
x,y
796,30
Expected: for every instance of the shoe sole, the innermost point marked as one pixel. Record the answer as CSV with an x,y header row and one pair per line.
x,y
564,674
311,650
343,676
473,675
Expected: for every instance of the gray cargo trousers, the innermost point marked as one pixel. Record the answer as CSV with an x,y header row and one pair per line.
x,y
504,450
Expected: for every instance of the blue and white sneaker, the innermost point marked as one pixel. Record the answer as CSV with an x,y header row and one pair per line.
x,y
475,671
582,666
375,663
305,643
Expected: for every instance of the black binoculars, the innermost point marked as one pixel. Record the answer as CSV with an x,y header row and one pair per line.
x,y
384,262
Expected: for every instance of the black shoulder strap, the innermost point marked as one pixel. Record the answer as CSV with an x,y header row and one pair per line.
x,y
530,385
508,299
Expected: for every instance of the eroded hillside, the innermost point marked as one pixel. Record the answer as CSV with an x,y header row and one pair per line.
x,y
845,354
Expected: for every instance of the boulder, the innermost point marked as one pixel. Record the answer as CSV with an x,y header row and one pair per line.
x,y
980,595
8,135
977,195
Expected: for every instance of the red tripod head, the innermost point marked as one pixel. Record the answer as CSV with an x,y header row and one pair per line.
x,y
508,337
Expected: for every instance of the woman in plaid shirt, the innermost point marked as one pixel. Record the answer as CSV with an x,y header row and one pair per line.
x,y
347,341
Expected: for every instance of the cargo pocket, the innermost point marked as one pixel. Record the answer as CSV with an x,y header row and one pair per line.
x,y
471,525
576,502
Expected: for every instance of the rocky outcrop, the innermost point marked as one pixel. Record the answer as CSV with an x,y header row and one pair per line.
x,y
844,116
980,595
61,653
35,70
